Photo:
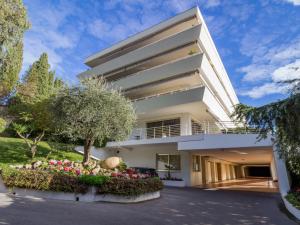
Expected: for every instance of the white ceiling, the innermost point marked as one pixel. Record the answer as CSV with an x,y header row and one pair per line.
x,y
241,155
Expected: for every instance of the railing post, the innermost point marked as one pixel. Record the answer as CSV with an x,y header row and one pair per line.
x,y
208,127
169,130
154,133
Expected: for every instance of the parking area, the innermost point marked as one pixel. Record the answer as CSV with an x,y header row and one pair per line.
x,y
182,206
256,184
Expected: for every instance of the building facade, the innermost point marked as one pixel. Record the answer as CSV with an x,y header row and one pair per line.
x,y
184,99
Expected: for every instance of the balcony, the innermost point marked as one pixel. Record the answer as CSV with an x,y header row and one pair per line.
x,y
171,43
196,128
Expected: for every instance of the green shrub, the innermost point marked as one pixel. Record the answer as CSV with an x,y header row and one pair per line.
x,y
122,166
93,180
2,125
130,187
42,180
294,199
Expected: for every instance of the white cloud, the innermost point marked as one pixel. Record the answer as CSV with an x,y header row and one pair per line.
x,y
287,72
266,89
104,30
270,62
294,2
255,72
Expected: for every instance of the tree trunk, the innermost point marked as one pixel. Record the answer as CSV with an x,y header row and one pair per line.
x,y
33,149
87,150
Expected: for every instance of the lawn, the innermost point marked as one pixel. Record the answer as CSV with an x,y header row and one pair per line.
x,y
15,151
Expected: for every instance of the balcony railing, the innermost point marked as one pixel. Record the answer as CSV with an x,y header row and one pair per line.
x,y
205,127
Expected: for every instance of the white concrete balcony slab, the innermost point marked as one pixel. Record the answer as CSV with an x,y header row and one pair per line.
x,y
161,101
188,36
166,71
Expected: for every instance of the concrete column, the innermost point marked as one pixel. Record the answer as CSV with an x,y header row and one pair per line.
x,y
273,170
186,124
283,178
186,167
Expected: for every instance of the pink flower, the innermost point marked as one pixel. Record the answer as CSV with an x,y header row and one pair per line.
x,y
66,162
77,171
59,162
134,176
67,169
52,162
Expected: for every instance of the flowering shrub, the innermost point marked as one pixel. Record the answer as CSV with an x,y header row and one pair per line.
x,y
131,173
67,167
130,187
42,180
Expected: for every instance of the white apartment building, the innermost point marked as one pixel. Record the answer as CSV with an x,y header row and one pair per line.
x,y
183,98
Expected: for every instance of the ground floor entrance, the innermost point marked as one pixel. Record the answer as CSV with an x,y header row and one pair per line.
x,y
236,169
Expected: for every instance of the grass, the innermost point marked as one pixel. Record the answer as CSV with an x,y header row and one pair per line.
x,y
15,151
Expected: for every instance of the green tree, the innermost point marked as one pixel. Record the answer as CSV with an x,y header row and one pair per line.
x,y
93,111
282,120
30,106
13,24
39,83
33,122
2,125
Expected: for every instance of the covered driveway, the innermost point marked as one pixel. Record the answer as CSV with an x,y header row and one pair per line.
x,y
236,169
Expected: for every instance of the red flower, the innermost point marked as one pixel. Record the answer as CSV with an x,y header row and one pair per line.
x,y
59,162
114,174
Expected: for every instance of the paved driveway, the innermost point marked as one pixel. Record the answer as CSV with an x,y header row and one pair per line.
x,y
188,206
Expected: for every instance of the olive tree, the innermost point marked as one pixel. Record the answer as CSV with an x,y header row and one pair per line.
x,y
93,111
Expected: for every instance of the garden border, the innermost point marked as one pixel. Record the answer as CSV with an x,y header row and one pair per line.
x,y
90,196
293,210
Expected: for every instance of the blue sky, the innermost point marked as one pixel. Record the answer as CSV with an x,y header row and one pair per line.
x,y
258,40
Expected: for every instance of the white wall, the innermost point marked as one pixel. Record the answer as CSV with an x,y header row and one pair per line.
x,y
145,156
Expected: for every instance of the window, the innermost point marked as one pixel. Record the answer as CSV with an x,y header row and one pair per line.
x,y
166,161
196,163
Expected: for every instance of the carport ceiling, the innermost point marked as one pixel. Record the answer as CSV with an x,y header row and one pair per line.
x,y
240,155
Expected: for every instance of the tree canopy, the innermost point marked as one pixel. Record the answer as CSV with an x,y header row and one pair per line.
x,y
282,120
39,82
30,105
13,23
93,111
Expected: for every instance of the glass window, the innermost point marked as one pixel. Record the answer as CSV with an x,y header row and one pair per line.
x,y
196,163
162,162
166,161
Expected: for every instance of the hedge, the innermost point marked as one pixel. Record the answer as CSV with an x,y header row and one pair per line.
x,y
93,180
130,187
42,180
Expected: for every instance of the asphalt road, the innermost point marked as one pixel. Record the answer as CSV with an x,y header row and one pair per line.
x,y
187,206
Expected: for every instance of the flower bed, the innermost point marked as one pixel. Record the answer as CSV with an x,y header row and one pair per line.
x,y
294,198
71,177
